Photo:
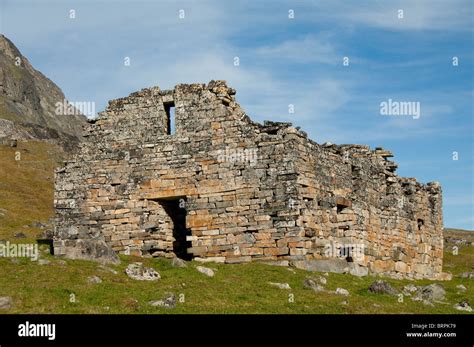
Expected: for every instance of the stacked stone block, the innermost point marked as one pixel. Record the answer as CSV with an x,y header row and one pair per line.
x,y
251,192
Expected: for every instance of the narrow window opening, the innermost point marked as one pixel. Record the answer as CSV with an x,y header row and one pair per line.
x,y
170,118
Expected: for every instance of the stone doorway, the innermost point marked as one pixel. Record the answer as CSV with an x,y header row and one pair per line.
x,y
175,208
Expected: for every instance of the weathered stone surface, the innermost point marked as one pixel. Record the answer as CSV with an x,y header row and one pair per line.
x,y
280,285
443,276
206,271
176,262
357,270
6,303
224,188
409,290
342,291
141,273
29,100
382,287
310,283
463,306
169,301
323,265
94,279
97,250
433,291
469,275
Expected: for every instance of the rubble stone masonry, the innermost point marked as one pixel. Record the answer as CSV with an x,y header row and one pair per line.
x,y
223,188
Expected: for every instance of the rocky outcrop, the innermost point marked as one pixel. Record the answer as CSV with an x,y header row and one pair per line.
x,y
29,102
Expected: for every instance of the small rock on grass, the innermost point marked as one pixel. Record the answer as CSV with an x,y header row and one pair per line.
x,y
467,274
280,285
342,291
177,262
94,279
205,270
433,291
382,287
311,284
463,306
409,289
139,272
6,302
169,301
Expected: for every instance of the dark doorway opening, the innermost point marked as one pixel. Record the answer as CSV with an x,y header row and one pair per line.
x,y
176,209
421,222
170,118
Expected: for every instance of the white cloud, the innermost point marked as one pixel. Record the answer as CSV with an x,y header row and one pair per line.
x,y
417,15
309,49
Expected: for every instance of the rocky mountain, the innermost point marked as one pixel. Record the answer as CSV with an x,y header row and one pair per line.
x,y
28,102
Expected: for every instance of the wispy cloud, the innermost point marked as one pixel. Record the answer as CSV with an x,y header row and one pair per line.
x,y
282,62
304,50
453,15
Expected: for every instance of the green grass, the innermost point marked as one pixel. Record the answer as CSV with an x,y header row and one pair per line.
x,y
26,192
26,187
239,288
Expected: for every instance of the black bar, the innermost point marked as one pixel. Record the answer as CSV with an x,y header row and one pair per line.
x,y
317,330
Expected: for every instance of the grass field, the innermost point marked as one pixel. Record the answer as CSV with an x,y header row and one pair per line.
x,y
26,193
242,288
26,187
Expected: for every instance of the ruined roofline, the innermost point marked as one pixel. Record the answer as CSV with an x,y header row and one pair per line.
x,y
221,89
252,192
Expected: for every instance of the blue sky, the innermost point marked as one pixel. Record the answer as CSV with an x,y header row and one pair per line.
x,y
282,61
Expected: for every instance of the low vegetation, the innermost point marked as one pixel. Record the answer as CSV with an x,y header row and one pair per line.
x,y
65,286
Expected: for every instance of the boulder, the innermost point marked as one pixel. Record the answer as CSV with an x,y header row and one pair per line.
x,y
342,291
382,287
433,292
177,262
96,250
280,285
94,279
138,272
311,284
409,289
469,275
358,270
6,302
169,301
463,306
323,265
206,271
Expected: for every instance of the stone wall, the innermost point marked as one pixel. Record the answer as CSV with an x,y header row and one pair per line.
x,y
231,190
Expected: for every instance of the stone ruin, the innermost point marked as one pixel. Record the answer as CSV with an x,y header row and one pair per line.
x,y
216,186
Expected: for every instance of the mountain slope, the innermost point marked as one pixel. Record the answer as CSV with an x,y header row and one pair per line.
x,y
28,97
